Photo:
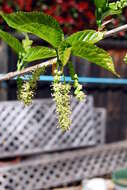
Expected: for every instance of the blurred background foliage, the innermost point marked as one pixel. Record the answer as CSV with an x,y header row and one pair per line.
x,y
73,15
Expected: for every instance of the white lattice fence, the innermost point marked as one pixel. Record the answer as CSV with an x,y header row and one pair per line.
x,y
29,130
100,125
58,169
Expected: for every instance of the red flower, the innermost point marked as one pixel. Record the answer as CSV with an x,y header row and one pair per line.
x,y
72,3
60,19
59,1
28,5
64,7
90,15
80,24
71,14
69,20
7,9
115,22
50,11
122,33
82,6
21,3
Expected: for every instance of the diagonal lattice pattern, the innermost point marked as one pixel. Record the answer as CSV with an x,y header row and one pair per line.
x,y
58,169
100,125
29,130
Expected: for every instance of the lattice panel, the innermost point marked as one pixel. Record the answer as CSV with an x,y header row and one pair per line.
x,y
58,169
100,125
26,130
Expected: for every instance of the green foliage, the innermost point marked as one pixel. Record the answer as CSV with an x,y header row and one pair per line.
x,y
79,44
37,23
11,41
109,13
39,52
90,36
104,8
27,43
101,7
100,3
71,70
64,52
94,54
114,8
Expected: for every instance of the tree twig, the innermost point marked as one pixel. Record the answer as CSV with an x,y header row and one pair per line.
x,y
107,22
50,62
27,70
115,31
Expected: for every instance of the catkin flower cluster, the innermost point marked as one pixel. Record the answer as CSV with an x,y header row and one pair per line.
x,y
118,4
79,94
26,89
61,96
125,58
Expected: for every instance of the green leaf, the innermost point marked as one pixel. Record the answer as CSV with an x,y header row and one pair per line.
x,y
38,23
100,3
39,52
114,8
64,52
90,36
110,12
94,54
27,43
13,42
